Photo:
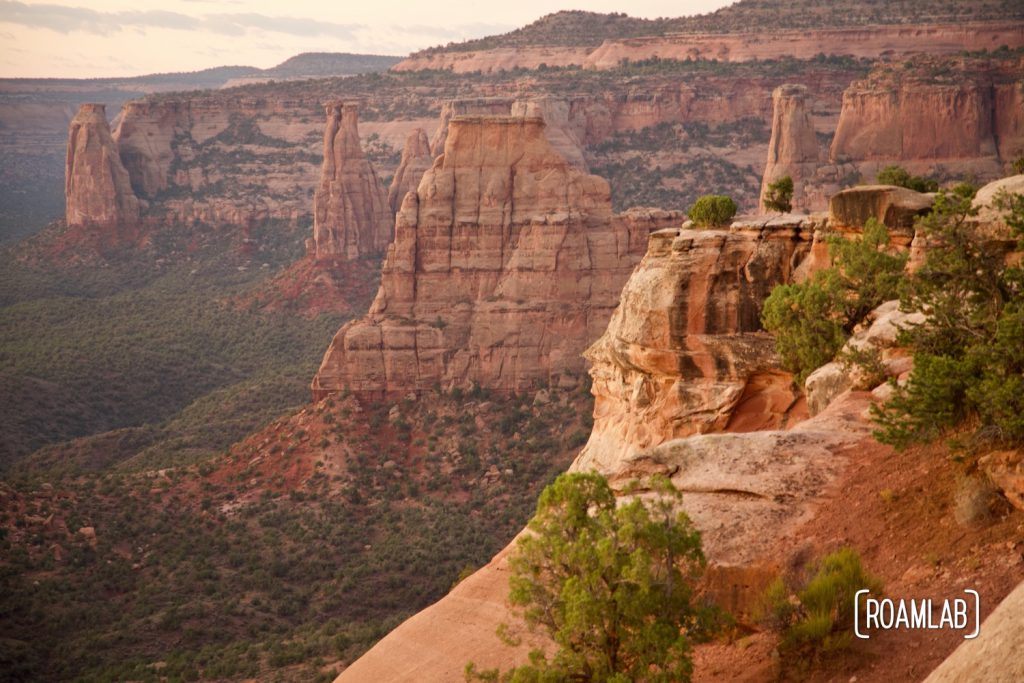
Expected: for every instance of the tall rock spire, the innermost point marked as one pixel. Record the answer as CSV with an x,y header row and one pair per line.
x,y
351,214
416,159
97,190
793,149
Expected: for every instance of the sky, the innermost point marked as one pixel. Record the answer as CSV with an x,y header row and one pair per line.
x,y
100,38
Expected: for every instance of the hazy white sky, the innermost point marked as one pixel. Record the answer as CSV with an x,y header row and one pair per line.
x,y
90,38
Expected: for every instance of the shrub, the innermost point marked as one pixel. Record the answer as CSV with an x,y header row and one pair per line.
x,y
812,320
820,620
712,210
899,176
969,353
779,195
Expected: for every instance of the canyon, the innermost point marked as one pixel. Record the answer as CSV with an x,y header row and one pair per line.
x,y
541,303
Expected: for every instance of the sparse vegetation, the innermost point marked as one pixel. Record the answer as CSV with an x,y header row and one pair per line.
x,y
815,614
899,176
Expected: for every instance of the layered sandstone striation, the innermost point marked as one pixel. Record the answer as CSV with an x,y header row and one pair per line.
x,y
566,121
793,149
963,115
416,159
684,352
98,192
506,261
735,47
352,218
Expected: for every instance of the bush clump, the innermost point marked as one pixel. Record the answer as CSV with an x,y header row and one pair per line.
x,y
712,210
969,352
812,320
815,615
779,195
611,585
899,176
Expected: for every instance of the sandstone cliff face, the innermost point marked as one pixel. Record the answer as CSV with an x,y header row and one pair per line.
x,y
505,262
793,149
684,352
416,159
351,214
97,189
965,114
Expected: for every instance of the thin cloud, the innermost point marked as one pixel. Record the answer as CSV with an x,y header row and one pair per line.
x,y
66,19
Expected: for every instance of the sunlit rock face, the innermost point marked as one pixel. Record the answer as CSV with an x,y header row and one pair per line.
x,y
507,261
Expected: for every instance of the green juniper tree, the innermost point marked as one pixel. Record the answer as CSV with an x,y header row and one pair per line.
x,y
969,352
712,210
610,585
812,320
779,195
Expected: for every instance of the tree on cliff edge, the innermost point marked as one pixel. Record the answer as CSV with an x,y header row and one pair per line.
x,y
610,585
779,195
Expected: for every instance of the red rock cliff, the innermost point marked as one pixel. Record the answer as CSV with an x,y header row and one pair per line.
x,y
964,114
97,189
506,262
684,349
351,214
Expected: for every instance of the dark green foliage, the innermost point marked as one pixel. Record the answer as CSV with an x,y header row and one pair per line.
x,y
712,210
820,620
1018,165
779,196
899,176
812,320
611,586
149,346
968,357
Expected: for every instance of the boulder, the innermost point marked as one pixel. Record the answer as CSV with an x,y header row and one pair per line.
x,y
896,207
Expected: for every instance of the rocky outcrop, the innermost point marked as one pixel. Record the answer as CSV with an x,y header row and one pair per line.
x,y
564,130
684,352
351,214
97,190
896,207
466,106
565,125
416,159
877,333
793,149
995,655
506,262
736,47
744,492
